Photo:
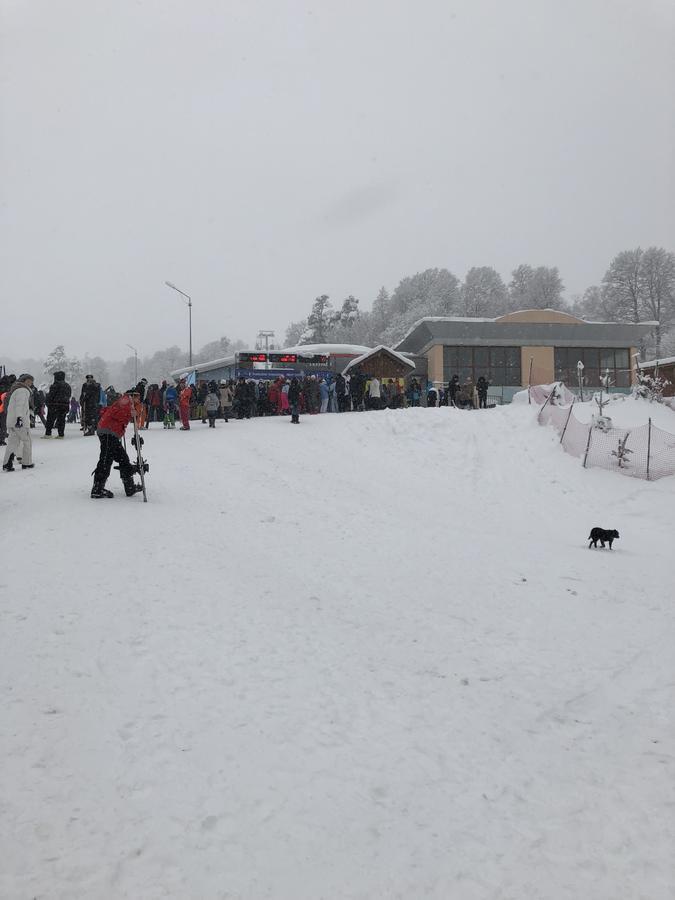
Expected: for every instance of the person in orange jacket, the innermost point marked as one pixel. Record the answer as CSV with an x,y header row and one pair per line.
x,y
184,400
111,427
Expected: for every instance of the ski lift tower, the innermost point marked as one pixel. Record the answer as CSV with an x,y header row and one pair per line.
x,y
265,336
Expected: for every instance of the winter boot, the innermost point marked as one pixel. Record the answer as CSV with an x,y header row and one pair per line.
x,y
9,465
29,466
130,486
98,491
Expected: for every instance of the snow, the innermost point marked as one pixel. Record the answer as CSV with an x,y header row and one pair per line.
x,y
366,657
327,349
399,356
667,361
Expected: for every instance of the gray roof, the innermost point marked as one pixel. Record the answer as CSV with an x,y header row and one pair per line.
x,y
492,332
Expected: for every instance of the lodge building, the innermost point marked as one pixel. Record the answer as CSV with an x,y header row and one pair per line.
x,y
536,346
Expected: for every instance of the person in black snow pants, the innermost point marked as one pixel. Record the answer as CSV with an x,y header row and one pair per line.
x,y
294,400
58,403
482,391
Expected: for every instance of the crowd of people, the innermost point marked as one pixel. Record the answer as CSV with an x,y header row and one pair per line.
x,y
106,413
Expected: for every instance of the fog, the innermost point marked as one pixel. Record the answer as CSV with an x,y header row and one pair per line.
x,y
257,154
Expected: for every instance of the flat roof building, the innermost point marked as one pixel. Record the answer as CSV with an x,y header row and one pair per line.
x,y
531,346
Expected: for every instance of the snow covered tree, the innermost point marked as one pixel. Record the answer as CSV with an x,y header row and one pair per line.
x,y
294,332
381,311
483,293
519,286
639,286
349,312
58,361
539,288
318,322
649,387
657,282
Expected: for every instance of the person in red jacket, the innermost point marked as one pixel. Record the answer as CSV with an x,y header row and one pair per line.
x,y
184,400
111,427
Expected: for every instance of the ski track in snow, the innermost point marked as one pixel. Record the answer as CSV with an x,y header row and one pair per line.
x,y
367,657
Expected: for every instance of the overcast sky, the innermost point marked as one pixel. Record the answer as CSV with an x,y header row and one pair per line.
x,y
260,153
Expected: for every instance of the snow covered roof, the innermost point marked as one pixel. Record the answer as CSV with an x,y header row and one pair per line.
x,y
506,331
327,349
667,361
211,364
381,348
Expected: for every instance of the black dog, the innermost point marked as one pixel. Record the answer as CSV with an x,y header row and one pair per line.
x,y
602,535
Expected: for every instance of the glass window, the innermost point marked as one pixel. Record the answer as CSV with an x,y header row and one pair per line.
x,y
561,358
591,357
592,377
500,365
622,378
621,357
512,356
450,357
606,359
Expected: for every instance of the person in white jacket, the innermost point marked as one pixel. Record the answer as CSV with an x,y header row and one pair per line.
x,y
18,424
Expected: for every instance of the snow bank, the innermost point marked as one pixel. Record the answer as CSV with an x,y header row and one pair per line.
x,y
369,656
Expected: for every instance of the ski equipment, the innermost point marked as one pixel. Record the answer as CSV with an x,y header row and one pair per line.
x,y
137,443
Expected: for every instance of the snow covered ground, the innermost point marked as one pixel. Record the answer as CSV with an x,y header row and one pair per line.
x,y
367,657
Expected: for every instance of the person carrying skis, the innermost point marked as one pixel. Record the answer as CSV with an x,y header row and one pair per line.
x,y
111,427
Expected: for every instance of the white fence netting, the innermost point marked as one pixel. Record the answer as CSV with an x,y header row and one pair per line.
x,y
644,451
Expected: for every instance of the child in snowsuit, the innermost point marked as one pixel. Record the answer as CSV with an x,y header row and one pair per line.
x,y
212,405
170,396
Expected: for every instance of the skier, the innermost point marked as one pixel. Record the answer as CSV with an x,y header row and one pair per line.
x,y
58,403
111,428
17,405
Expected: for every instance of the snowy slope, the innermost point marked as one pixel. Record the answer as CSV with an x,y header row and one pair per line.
x,y
367,657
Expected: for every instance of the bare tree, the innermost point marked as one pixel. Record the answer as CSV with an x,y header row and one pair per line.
x,y
484,293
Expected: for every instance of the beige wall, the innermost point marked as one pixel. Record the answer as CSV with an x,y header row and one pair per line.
x,y
435,363
543,365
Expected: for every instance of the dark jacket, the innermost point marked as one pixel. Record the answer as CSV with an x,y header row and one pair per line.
x,y
482,386
59,392
294,391
90,394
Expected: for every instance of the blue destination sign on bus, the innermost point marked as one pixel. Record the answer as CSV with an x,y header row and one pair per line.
x,y
271,374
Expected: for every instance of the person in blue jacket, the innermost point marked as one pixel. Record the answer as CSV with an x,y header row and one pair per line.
x,y
170,399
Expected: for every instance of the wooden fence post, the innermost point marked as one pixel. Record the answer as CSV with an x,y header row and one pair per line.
x,y
649,444
529,381
567,420
588,445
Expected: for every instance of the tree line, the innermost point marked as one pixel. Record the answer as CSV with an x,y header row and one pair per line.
x,y
638,286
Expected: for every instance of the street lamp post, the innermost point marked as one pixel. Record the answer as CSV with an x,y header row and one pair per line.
x,y
135,361
187,299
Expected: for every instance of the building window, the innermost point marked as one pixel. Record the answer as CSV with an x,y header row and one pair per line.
x,y
500,365
597,361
